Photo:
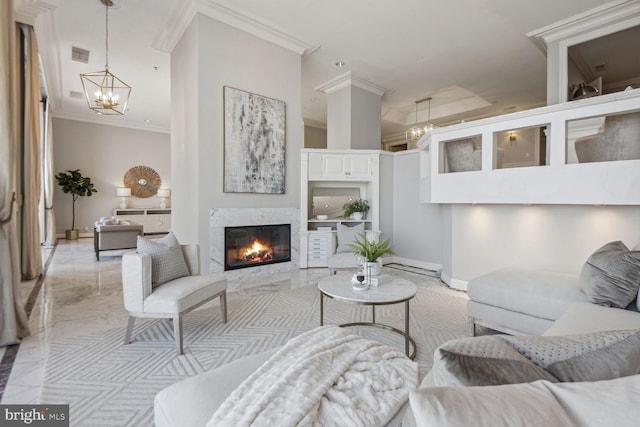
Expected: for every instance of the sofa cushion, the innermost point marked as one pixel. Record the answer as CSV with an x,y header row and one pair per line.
x,y
167,261
585,357
584,317
587,404
347,235
611,275
541,294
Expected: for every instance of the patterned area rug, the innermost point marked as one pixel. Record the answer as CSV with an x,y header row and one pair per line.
x,y
107,383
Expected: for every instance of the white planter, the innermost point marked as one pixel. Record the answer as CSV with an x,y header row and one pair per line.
x,y
372,268
357,216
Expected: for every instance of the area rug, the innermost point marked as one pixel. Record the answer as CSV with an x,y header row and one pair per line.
x,y
107,383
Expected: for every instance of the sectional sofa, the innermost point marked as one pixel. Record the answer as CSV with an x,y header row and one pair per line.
x,y
578,362
439,397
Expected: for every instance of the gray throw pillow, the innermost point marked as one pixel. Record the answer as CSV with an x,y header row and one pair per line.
x,y
611,275
482,361
348,235
167,261
586,357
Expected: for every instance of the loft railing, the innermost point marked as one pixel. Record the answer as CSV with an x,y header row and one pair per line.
x,y
550,171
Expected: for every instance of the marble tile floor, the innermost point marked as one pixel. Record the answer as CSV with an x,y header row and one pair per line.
x,y
80,296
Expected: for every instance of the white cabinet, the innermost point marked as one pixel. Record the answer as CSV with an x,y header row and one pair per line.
x,y
340,166
320,246
154,220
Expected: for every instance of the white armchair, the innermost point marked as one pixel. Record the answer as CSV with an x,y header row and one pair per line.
x,y
171,299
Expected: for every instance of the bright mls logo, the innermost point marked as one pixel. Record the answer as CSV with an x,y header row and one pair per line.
x,y
34,415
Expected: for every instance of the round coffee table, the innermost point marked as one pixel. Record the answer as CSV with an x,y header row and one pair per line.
x,y
390,290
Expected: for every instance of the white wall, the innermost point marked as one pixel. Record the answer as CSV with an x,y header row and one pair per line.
x,y
185,145
103,153
417,227
225,56
366,120
550,237
387,196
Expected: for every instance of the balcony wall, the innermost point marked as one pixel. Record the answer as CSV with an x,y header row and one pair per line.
x,y
561,180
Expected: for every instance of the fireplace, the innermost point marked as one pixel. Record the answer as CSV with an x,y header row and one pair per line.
x,y
251,246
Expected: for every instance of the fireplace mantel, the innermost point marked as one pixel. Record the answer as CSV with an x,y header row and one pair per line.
x,y
235,217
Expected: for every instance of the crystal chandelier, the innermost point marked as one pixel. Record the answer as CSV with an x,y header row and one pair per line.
x,y
105,93
416,132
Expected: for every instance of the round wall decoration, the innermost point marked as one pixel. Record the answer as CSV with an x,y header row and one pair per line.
x,y
143,181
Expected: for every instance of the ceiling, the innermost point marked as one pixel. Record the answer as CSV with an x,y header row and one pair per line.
x,y
472,56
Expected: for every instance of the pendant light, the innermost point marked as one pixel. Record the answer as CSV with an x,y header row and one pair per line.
x,y
416,132
105,93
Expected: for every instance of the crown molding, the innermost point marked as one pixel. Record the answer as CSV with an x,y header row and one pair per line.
x,y
26,11
100,120
351,79
608,14
183,13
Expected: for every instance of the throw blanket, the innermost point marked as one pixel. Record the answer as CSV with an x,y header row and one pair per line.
x,y
327,376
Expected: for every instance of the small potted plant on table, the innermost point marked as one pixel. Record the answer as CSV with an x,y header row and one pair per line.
x,y
355,209
371,251
72,182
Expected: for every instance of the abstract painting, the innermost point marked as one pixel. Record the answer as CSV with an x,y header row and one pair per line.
x,y
254,143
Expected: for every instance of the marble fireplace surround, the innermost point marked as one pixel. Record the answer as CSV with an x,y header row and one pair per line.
x,y
219,218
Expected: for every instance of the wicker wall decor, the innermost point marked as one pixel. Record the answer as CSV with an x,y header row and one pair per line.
x,y
143,181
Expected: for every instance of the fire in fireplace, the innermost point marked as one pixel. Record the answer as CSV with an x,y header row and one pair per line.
x,y
254,245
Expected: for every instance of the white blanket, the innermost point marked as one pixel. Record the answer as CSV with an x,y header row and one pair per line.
x,y
327,376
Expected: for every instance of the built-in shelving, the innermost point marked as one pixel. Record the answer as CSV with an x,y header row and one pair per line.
x,y
335,169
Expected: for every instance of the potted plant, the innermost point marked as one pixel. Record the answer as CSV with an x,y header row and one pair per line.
x,y
72,182
371,251
355,209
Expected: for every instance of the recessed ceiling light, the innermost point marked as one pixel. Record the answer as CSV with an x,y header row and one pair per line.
x,y
340,64
147,121
314,99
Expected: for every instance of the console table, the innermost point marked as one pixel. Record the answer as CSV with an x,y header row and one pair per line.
x,y
154,220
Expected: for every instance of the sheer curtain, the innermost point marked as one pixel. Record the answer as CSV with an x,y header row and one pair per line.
x,y
13,319
48,225
30,176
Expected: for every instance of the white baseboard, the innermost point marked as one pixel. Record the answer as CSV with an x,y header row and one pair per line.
x,y
80,235
454,283
415,263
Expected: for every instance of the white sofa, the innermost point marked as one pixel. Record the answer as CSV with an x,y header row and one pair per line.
x,y
193,401
527,302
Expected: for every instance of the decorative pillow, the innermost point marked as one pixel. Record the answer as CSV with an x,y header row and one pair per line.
x,y
611,275
586,357
167,261
481,361
347,235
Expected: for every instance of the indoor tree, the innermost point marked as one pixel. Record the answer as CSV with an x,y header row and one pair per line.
x,y
72,182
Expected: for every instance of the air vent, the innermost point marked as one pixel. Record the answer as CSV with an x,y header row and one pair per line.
x,y
75,94
601,67
79,55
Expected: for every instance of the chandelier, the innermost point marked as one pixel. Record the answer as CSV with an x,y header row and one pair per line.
x,y
105,93
416,132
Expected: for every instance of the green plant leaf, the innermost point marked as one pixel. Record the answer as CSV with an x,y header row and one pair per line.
x,y
370,250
